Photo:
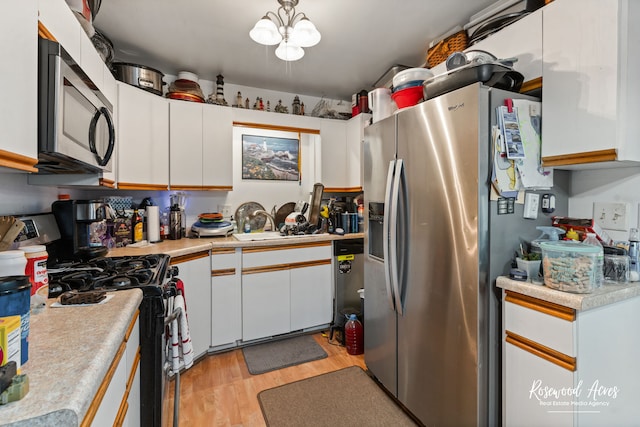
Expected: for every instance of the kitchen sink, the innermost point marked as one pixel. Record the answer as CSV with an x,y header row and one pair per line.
x,y
266,235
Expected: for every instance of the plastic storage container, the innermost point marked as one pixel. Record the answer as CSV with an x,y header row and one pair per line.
x,y
15,300
571,266
354,335
12,263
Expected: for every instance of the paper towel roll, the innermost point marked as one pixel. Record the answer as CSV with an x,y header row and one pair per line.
x,y
153,224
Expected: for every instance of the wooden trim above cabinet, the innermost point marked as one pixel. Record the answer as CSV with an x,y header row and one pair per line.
x,y
146,187
542,306
278,128
544,352
109,183
288,266
201,187
17,161
580,158
531,85
44,33
284,247
189,257
343,190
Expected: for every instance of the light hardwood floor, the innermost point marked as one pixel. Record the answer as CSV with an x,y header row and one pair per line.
x,y
220,391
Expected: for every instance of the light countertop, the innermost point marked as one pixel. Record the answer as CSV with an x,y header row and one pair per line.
x,y
188,246
70,351
607,294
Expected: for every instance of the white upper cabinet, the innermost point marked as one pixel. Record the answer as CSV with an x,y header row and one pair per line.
x,y
341,152
217,148
143,139
590,83
201,142
18,105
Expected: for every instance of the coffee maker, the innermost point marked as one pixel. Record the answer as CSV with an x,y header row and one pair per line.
x,y
79,222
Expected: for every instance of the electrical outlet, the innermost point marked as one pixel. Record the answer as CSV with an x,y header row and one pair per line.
x,y
611,216
225,210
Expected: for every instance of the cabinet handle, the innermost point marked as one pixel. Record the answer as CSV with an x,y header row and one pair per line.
x,y
284,247
190,257
543,352
542,306
289,266
223,272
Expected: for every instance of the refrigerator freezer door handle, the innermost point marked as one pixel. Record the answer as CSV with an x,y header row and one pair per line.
x,y
393,235
385,230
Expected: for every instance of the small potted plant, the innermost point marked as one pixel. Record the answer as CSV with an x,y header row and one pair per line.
x,y
529,262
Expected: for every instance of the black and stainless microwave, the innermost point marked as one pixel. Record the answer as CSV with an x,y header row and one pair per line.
x,y
76,133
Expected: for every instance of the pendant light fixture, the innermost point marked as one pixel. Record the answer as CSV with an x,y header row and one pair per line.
x,y
291,30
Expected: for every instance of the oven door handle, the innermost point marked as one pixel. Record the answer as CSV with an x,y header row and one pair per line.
x,y
169,370
173,316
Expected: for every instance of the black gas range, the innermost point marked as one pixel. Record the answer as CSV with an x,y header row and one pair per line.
x,y
153,275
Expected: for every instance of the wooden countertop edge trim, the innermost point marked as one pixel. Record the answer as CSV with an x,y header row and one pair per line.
x,y
131,325
287,266
277,127
546,307
17,161
546,353
102,390
189,257
580,158
246,250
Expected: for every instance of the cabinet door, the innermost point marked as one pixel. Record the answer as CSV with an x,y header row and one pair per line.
x,y
196,275
526,377
265,304
355,141
226,307
311,296
185,145
18,105
333,143
143,139
217,149
58,18
580,77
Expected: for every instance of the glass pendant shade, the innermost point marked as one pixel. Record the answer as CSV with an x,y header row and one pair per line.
x,y
265,32
305,34
289,52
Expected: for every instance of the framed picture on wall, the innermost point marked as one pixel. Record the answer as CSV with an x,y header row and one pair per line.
x,y
270,158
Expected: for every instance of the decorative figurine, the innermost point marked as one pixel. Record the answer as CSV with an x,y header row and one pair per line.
x,y
256,105
239,102
246,103
261,105
302,109
268,106
281,108
218,99
295,108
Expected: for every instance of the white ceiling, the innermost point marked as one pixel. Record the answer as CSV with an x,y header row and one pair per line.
x,y
361,39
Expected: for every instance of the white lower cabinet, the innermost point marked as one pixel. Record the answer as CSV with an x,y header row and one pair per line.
x,y
195,273
226,297
279,297
119,405
567,367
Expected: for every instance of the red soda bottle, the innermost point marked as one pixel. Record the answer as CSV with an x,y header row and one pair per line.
x,y
354,336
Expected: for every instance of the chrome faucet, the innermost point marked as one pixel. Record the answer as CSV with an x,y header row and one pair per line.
x,y
267,215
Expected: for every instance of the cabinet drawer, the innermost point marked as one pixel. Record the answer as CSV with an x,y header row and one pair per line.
x,y
222,259
537,325
281,255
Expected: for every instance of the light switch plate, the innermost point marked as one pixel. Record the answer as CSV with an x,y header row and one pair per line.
x,y
612,215
531,205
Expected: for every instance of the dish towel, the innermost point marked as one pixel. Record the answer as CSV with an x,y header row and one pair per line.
x,y
181,346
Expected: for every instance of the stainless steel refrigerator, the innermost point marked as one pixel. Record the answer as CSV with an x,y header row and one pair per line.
x,y
433,248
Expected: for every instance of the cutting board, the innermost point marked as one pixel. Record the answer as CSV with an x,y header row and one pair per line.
x,y
10,227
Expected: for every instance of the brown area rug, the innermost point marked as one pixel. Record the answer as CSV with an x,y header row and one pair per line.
x,y
348,397
280,354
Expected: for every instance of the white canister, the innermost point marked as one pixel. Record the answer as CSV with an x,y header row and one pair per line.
x,y
12,263
380,103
